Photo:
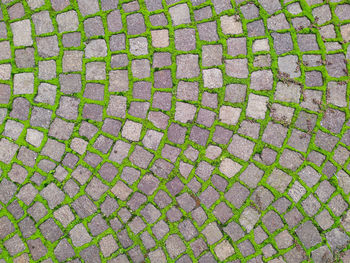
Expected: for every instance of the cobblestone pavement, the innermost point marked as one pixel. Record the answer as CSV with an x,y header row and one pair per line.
x,y
174,131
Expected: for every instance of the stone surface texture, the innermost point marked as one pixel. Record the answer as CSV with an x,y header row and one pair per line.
x,y
174,131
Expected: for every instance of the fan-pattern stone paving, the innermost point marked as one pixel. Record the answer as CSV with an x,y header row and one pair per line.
x,y
174,131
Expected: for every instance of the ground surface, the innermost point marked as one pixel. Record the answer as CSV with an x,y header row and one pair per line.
x,y
174,131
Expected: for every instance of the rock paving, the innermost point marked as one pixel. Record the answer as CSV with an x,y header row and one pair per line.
x,y
174,131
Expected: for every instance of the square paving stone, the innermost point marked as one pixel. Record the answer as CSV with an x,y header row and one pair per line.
x,y
27,194
199,135
236,46
279,180
13,129
139,46
64,250
337,239
153,5
93,26
185,39
282,113
119,81
325,141
313,78
119,60
72,61
261,80
237,68
131,7
53,149
6,227
47,70
262,197
206,117
5,46
61,129
221,6
46,94
212,233
250,11
42,22
57,5
308,234
50,230
96,48
246,248
234,231
23,83
5,71
16,11
289,65
108,245
21,31
180,14
71,39
223,212
27,227
187,66
117,42
274,134
174,245
231,25
14,245
97,225
336,65
299,140
211,55
257,106
252,175
47,46
17,173
158,20
336,94
300,23
88,7
95,189
160,38
140,68
5,92
198,246
64,215
212,78
84,207
162,79
53,195
135,24
209,196
95,71
307,42
282,42
20,108
208,31
92,112
277,22
79,235
202,13
345,29
210,100
36,248
24,57
256,28
241,147
94,91
310,205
